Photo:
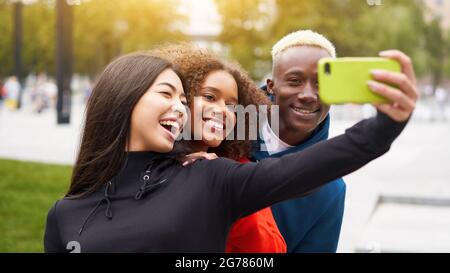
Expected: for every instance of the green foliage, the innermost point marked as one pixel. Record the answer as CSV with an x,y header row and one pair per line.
x,y
447,52
334,19
435,44
6,51
27,191
39,37
355,28
103,29
244,24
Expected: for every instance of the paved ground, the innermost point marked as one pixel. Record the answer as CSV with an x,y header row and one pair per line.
x,y
37,137
400,202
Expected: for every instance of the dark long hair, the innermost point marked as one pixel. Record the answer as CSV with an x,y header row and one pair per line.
x,y
108,115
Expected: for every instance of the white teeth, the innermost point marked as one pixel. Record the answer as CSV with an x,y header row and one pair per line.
x,y
170,123
303,111
215,124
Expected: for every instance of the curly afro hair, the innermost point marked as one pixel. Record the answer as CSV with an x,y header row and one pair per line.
x,y
195,64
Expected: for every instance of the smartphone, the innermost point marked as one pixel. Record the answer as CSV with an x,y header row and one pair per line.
x,y
344,80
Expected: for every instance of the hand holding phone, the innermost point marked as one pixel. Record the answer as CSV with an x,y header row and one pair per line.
x,y
398,90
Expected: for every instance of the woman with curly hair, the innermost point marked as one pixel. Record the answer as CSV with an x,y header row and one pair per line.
x,y
211,86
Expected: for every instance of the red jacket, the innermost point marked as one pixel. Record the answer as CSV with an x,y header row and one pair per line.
x,y
256,233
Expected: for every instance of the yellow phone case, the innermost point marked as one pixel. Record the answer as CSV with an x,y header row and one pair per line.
x,y
344,80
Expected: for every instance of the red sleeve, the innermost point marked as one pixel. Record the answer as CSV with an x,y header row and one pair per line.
x,y
256,233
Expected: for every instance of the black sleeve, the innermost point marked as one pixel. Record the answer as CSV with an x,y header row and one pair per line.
x,y
52,239
249,187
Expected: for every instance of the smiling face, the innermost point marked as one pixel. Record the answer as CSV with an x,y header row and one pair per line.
x,y
159,115
295,87
212,119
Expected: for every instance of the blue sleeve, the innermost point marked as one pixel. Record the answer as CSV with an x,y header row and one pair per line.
x,y
323,236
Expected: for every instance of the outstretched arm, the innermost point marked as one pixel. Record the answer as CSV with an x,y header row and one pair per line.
x,y
253,186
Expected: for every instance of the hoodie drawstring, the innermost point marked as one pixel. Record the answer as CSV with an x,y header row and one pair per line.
x,y
146,187
108,212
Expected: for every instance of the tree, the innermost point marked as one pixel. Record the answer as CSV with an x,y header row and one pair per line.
x,y
354,27
38,37
435,45
105,29
244,32
334,19
6,50
396,24
447,52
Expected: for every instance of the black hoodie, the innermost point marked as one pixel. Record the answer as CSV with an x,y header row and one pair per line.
x,y
157,205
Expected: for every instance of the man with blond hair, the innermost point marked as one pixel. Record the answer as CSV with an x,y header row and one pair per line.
x,y
311,223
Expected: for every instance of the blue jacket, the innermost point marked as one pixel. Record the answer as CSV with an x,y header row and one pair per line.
x,y
311,223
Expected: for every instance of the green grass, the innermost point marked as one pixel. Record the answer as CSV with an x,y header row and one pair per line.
x,y
27,191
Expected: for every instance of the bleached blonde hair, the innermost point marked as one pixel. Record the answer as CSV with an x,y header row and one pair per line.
x,y
302,38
